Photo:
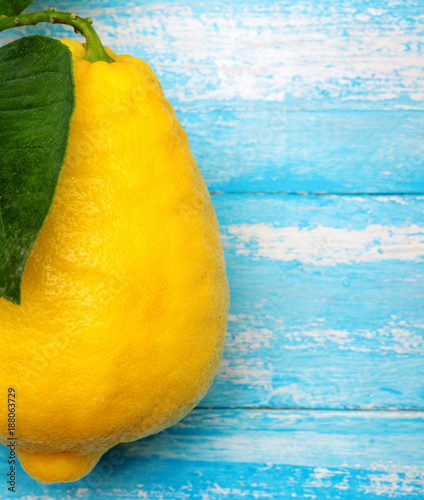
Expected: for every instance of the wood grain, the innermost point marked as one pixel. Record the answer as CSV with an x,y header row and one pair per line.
x,y
327,302
233,454
268,149
346,54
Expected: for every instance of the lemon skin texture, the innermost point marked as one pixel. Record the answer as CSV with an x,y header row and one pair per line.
x,y
125,296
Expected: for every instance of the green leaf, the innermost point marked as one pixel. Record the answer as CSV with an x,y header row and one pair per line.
x,y
13,7
37,100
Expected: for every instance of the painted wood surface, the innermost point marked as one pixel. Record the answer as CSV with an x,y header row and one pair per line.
x,y
285,151
324,360
327,302
333,54
242,454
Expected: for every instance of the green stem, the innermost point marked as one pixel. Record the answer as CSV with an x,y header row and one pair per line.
x,y
95,49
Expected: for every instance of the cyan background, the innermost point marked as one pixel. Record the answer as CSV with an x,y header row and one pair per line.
x,y
307,121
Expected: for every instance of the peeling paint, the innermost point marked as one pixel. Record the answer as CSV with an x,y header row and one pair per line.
x,y
327,246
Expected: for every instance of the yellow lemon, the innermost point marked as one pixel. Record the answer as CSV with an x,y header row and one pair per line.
x,y
125,296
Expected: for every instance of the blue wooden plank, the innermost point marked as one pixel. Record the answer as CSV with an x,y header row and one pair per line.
x,y
254,454
334,54
271,150
327,302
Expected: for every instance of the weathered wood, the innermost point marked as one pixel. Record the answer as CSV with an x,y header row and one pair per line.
x,y
254,454
267,149
327,302
329,54
261,87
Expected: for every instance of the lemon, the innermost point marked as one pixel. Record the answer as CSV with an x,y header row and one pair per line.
x,y
125,296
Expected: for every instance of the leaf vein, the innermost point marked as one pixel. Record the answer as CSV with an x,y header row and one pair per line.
x,y
32,76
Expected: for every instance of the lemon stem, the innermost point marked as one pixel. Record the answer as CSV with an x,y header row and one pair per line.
x,y
95,50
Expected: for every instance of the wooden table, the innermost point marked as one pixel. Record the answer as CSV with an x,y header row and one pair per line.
x,y
306,118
